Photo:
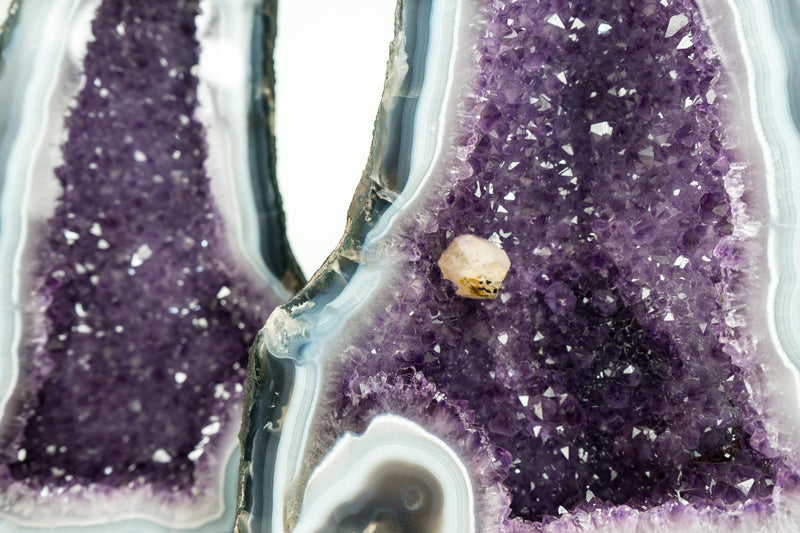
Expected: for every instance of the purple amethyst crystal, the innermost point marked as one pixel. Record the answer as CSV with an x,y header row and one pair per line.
x,y
139,301
619,377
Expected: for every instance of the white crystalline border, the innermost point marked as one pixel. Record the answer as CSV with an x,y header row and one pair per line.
x,y
681,517
106,512
307,379
781,143
753,23
431,107
32,146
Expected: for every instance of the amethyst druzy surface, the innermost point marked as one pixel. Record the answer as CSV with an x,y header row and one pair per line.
x,y
137,285
622,368
139,303
601,367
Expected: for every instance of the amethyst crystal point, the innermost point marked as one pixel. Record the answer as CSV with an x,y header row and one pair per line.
x,y
630,373
137,276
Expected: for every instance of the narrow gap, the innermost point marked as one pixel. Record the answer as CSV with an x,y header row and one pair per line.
x,y
330,64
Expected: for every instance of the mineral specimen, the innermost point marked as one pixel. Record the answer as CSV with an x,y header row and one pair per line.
x,y
631,374
476,266
136,199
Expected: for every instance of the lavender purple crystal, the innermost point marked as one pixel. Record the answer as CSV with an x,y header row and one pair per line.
x,y
141,312
593,147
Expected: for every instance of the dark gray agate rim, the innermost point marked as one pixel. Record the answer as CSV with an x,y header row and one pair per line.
x,y
269,382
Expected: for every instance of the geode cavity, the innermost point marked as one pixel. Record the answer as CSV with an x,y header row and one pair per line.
x,y
138,280
626,375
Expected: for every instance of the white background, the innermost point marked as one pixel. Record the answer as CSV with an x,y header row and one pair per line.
x,y
330,65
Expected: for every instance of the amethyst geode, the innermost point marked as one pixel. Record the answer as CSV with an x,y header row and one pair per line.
x,y
620,376
138,301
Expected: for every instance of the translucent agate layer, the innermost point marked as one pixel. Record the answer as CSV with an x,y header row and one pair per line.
x,y
130,227
630,373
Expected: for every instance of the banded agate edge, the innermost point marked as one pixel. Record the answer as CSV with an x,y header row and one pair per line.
x,y
321,377
226,170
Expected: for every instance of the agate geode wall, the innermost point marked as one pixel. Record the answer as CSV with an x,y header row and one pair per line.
x,y
630,372
142,249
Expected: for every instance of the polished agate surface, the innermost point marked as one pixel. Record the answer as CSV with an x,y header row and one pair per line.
x,y
636,162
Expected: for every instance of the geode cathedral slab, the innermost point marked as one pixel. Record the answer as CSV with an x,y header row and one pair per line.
x,y
142,246
638,369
